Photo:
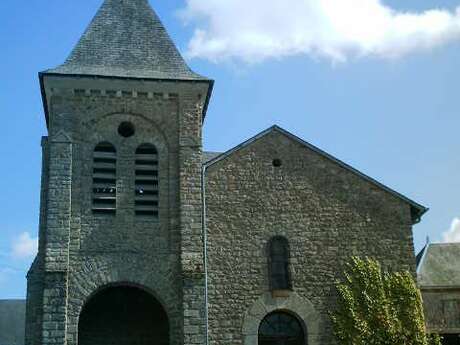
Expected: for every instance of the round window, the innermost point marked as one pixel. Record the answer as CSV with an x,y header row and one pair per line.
x,y
126,129
277,163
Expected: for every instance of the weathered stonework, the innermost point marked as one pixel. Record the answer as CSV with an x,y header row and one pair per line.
x,y
267,303
326,212
442,310
202,261
83,252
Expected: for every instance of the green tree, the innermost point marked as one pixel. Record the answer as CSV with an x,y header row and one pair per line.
x,y
379,308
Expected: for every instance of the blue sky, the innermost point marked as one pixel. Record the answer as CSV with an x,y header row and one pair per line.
x,y
385,102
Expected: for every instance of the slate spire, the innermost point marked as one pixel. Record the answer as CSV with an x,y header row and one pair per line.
x,y
127,39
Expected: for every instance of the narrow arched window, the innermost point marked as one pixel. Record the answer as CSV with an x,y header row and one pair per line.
x,y
279,264
105,179
146,185
281,328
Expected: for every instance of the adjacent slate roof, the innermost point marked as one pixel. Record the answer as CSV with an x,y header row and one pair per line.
x,y
440,266
417,210
127,39
420,255
207,156
12,322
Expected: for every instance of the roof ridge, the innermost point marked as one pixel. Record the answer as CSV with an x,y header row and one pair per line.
x,y
441,244
417,210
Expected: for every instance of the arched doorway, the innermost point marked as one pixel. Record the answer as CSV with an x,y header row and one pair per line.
x,y
281,328
123,315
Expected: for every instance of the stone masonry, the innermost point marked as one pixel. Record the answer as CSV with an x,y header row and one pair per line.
x,y
198,269
84,252
326,212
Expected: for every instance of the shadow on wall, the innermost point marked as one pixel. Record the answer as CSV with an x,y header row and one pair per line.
x,y
12,322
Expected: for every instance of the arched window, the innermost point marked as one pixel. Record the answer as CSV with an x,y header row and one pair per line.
x,y
105,179
281,328
279,264
146,185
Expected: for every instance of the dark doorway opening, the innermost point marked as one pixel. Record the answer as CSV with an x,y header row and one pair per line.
x,y
281,328
450,339
123,315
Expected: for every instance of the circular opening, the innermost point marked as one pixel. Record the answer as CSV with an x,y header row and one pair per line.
x,y
126,129
277,163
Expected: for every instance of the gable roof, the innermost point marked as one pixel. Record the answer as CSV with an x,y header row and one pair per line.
x,y
126,39
439,267
417,210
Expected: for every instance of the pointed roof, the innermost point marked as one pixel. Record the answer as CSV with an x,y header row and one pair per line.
x,y
417,210
439,267
126,39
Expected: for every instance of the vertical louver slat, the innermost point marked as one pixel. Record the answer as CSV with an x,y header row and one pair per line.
x,y
146,184
105,179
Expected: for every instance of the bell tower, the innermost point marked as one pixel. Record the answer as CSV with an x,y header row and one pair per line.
x,y
120,246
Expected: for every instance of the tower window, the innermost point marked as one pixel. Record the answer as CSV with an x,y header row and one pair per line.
x,y
126,129
104,179
146,184
277,162
279,264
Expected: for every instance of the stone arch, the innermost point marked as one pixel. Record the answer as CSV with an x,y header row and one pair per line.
x,y
97,273
281,325
127,284
123,313
154,128
301,307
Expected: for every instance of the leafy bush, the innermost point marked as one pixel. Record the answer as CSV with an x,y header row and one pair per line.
x,y
379,308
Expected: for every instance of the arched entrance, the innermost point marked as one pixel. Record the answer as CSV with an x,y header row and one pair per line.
x,y
281,328
123,315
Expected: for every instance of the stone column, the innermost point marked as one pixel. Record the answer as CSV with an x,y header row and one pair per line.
x,y
190,163
56,256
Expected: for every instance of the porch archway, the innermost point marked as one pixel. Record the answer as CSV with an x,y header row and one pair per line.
x,y
123,315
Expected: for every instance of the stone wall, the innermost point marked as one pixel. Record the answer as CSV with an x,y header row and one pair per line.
x,y
442,310
325,211
85,252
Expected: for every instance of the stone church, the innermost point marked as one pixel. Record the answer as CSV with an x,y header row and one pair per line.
x,y
145,239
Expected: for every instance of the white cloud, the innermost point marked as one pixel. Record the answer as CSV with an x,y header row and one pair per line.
x,y
24,247
453,234
256,30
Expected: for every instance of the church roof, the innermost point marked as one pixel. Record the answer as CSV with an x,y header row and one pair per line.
x,y
417,210
127,39
439,266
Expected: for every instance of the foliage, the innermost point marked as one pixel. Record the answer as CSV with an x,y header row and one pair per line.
x,y
379,308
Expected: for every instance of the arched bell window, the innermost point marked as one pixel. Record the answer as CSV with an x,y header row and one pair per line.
x,y
278,258
105,179
146,201
281,328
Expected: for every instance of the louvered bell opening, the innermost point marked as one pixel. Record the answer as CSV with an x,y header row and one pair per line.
x,y
146,188
104,179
